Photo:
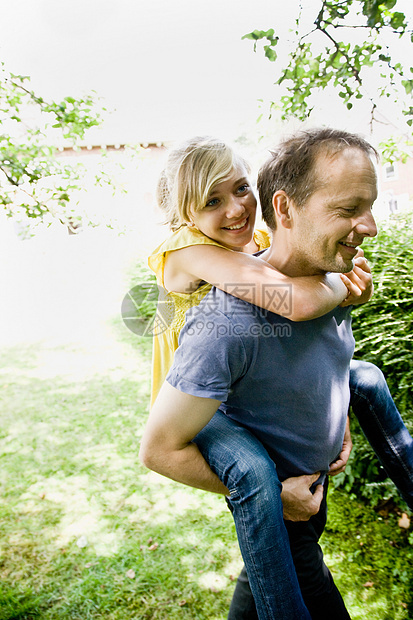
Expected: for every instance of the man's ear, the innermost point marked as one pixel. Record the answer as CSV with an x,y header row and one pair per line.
x,y
282,208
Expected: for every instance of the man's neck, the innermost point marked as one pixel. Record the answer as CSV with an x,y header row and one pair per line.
x,y
282,257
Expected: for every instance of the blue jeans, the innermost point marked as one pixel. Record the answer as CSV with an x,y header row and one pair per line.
x,y
320,593
382,425
243,464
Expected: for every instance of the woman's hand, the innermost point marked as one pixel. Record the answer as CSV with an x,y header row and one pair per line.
x,y
358,281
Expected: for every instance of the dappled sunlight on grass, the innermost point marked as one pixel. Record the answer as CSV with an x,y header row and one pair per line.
x,y
213,581
105,457
222,559
168,498
76,363
82,518
82,524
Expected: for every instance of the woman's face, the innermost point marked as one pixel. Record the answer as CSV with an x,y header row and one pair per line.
x,y
229,214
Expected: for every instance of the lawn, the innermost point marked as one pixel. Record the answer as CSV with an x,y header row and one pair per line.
x,y
86,532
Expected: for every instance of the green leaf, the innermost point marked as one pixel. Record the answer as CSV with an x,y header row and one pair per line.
x,y
408,86
398,20
270,53
389,4
255,35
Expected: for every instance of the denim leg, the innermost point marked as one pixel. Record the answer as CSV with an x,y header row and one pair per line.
x,y
320,593
243,464
382,424
321,596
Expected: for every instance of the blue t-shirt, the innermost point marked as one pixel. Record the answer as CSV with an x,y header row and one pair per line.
x,y
287,382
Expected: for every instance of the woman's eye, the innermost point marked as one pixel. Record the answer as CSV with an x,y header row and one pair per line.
x,y
212,203
243,188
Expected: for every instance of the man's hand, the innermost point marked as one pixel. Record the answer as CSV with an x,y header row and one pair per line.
x,y
298,502
340,464
358,281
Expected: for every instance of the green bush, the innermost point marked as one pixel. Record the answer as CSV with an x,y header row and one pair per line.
x,y
383,330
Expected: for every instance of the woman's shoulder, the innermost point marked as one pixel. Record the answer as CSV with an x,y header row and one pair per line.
x,y
262,238
183,238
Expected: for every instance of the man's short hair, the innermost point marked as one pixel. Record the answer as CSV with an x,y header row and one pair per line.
x,y
292,165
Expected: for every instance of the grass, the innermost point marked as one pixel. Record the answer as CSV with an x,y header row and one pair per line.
x,y
86,532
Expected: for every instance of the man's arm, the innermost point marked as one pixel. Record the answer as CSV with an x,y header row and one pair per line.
x,y
340,463
166,448
166,445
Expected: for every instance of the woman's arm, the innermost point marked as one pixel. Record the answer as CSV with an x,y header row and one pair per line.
x,y
359,282
253,280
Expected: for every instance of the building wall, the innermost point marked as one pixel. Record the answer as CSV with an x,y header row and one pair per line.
x,y
395,187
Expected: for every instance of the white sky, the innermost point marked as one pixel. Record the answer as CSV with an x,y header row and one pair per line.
x,y
168,68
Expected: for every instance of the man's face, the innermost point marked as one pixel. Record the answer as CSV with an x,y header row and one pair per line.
x,y
337,217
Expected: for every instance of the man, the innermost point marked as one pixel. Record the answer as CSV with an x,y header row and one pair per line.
x,y
286,383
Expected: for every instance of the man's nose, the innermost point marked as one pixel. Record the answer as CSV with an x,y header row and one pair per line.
x,y
366,225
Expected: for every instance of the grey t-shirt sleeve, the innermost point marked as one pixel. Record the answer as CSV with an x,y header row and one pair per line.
x,y
210,358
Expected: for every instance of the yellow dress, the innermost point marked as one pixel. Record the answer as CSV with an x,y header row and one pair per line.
x,y
170,317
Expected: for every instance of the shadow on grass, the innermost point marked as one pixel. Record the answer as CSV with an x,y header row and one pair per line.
x,y
86,532
18,605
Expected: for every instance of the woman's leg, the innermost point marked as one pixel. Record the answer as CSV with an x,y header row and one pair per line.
x,y
243,464
382,424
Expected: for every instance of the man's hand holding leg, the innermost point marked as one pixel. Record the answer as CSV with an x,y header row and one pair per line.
x,y
299,503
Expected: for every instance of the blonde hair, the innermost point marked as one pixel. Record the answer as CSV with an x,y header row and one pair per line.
x,y
192,171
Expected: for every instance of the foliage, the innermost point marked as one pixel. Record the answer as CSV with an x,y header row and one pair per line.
x,y
377,555
344,45
383,330
33,181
